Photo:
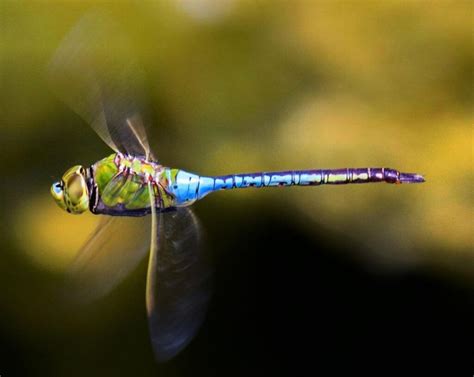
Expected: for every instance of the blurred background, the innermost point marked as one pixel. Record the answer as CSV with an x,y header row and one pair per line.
x,y
307,279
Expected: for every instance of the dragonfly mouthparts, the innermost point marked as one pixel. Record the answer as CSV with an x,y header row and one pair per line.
x,y
411,178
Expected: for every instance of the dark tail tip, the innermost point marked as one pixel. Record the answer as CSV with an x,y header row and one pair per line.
x,y
411,178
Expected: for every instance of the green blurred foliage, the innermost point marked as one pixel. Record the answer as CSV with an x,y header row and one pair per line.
x,y
239,86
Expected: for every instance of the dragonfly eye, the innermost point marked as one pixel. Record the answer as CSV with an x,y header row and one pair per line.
x,y
72,193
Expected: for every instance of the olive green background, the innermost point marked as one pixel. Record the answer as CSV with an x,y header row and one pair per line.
x,y
307,279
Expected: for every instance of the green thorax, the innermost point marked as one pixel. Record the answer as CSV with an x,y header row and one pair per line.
x,y
123,183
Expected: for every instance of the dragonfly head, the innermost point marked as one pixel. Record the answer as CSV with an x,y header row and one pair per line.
x,y
72,193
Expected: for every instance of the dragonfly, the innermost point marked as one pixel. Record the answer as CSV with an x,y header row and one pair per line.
x,y
130,183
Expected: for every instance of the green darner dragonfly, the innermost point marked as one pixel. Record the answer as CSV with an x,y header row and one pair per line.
x,y
130,183
107,92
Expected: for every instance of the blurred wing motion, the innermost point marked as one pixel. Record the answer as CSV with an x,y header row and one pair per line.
x,y
116,247
105,90
93,71
178,282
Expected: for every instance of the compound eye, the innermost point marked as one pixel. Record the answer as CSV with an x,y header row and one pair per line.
x,y
75,188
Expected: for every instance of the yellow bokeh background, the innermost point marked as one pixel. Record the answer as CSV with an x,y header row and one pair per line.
x,y
239,86
245,86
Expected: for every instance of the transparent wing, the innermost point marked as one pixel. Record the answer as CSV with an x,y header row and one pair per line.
x,y
94,72
114,249
178,282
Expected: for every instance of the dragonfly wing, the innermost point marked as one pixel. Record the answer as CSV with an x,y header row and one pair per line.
x,y
178,282
113,250
94,72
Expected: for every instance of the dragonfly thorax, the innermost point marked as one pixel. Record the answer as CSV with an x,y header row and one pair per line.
x,y
120,185
138,165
